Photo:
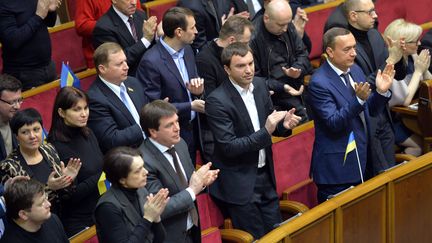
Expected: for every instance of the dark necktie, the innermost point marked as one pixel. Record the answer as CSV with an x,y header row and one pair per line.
x,y
345,76
250,8
182,178
133,29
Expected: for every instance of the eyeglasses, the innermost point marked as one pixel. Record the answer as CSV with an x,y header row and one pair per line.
x,y
13,102
412,42
371,12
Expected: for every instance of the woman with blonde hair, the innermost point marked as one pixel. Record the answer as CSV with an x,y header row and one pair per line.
x,y
404,90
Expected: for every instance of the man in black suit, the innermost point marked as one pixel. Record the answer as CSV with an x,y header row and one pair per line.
x,y
235,29
373,54
169,166
115,100
124,25
209,16
10,103
241,116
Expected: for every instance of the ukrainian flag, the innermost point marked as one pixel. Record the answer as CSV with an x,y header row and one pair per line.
x,y
350,146
68,78
103,184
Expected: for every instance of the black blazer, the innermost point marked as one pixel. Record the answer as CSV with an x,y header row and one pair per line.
x,y
210,67
111,28
237,144
207,24
110,120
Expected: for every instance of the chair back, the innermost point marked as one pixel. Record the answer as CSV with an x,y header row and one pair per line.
x,y
425,108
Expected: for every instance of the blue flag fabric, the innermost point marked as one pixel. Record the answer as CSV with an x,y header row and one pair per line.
x,y
351,145
68,78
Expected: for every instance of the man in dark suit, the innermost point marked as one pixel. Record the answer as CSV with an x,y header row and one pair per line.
x,y
209,16
235,29
115,100
124,25
169,166
341,105
426,43
241,116
10,103
168,70
373,54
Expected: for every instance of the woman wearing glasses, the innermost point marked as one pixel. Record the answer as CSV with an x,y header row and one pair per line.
x,y
404,90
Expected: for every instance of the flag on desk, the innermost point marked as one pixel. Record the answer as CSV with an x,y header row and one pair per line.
x,y
68,78
103,184
351,145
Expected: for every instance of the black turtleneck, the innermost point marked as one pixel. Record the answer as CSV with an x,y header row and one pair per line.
x,y
362,39
77,208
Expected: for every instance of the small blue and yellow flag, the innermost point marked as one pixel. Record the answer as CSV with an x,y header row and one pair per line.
x,y
44,135
68,78
350,146
103,184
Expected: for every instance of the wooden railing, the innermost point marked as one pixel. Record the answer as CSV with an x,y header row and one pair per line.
x,y
395,206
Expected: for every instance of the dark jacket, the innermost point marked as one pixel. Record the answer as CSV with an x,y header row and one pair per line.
x,y
271,53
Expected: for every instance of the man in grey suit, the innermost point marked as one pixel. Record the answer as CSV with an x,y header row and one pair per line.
x,y
169,166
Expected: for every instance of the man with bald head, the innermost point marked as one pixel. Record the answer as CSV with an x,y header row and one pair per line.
x,y
280,55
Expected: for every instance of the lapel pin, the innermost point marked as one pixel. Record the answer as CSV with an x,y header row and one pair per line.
x,y
130,89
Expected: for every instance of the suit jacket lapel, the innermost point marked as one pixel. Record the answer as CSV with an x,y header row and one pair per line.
x,y
238,101
259,105
337,83
169,170
361,54
208,9
114,99
130,211
169,63
122,29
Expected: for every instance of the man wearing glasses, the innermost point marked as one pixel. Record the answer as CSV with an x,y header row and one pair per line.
x,y
10,103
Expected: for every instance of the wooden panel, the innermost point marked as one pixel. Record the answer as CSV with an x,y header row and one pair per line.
x,y
413,214
319,231
364,220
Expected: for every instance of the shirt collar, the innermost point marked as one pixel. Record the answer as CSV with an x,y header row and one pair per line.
x,y
123,17
160,147
242,91
174,54
337,70
115,88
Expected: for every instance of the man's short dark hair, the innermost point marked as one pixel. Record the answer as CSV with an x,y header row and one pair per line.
x,y
235,26
24,117
20,194
9,83
175,18
151,114
331,34
234,49
117,163
101,54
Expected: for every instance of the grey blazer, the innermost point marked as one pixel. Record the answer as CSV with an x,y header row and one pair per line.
x,y
162,175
